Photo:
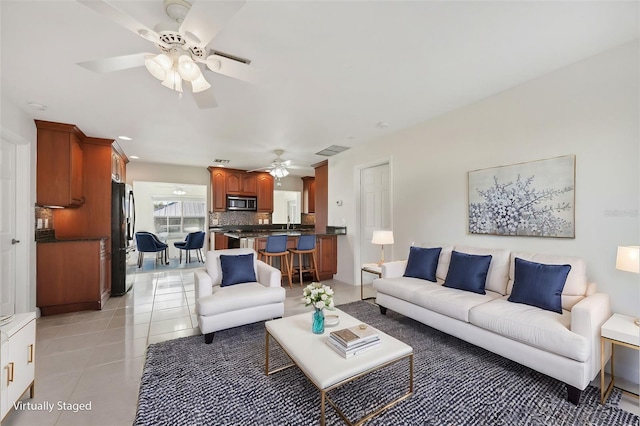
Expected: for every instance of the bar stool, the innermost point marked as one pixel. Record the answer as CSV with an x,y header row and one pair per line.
x,y
306,245
277,247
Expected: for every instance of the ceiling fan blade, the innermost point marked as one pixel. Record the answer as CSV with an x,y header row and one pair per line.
x,y
122,19
205,99
234,69
116,63
299,168
207,18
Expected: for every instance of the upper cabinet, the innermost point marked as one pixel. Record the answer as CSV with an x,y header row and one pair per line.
x,y
119,162
59,165
308,194
238,182
265,192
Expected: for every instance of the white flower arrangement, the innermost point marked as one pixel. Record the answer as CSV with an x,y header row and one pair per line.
x,y
318,295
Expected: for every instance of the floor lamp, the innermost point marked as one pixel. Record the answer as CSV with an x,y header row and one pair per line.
x,y
628,259
381,238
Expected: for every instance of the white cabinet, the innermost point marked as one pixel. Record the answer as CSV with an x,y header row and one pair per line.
x,y
17,357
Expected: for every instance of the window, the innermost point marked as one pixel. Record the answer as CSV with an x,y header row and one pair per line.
x,y
179,217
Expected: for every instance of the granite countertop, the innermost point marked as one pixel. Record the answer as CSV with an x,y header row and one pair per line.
x,y
262,231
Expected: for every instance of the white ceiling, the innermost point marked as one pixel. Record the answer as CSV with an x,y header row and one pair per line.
x,y
329,71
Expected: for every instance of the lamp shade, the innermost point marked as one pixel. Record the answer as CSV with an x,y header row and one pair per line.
x,y
628,258
382,237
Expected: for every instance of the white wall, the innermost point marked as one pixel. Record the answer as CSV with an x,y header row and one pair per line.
x,y
589,109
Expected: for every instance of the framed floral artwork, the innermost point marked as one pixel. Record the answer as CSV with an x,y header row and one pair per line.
x,y
527,199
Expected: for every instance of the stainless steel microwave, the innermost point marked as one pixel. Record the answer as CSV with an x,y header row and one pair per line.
x,y
242,203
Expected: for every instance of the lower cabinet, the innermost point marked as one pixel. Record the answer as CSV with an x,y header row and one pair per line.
x,y
18,348
72,275
326,253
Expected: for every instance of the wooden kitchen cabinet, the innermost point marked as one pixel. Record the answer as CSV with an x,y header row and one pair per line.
x,y
221,241
59,165
308,194
265,193
72,275
327,255
218,189
118,163
17,354
321,195
240,182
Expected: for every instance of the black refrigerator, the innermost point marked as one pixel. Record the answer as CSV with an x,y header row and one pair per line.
x,y
123,222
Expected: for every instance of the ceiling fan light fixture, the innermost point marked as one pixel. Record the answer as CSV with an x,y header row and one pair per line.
x,y
173,81
279,171
200,84
188,69
158,66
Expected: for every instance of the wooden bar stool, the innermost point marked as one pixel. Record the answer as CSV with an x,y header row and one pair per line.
x,y
306,245
277,247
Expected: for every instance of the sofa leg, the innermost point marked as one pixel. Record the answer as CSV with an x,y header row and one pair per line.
x,y
383,310
208,338
573,395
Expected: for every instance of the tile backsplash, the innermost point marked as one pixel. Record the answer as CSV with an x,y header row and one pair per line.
x,y
239,218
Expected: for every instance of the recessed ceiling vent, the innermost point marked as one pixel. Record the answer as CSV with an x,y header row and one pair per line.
x,y
220,161
332,150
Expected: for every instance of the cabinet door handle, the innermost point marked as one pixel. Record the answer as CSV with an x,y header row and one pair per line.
x,y
30,359
14,241
10,373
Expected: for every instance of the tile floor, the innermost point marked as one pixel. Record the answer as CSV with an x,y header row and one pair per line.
x,y
97,357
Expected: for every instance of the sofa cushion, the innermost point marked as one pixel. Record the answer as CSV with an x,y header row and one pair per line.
x,y
536,327
237,269
401,287
239,296
539,284
498,275
575,287
422,263
451,302
468,272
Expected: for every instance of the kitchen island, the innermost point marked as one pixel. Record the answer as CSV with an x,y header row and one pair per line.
x,y
256,238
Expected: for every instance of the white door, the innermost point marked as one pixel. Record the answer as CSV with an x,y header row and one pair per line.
x,y
7,227
375,212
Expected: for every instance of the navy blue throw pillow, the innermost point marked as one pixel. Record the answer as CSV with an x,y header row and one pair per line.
x,y
468,272
237,269
422,263
539,284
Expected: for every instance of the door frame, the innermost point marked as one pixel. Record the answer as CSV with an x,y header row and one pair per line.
x,y
25,295
358,186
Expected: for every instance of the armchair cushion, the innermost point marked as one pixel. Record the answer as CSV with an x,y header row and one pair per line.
x,y
237,269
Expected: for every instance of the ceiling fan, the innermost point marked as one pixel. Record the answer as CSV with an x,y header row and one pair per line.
x,y
180,46
279,168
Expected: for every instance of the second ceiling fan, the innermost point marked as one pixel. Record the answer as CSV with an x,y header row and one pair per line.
x,y
181,46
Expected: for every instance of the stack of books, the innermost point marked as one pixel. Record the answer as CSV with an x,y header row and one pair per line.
x,y
352,341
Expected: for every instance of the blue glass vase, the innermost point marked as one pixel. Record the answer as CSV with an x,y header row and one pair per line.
x,y
317,326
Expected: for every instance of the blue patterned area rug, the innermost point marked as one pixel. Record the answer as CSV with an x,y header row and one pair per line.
x,y
186,382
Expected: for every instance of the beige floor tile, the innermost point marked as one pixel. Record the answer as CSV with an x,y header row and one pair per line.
x,y
120,351
175,335
166,314
170,325
84,327
129,332
62,363
170,304
94,315
168,297
72,343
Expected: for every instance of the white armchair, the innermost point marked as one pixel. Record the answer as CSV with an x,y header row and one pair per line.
x,y
219,308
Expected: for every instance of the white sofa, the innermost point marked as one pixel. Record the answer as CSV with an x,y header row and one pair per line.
x,y
564,346
219,307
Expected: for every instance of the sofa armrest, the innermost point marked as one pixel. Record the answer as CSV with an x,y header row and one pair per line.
x,y
587,317
394,269
268,276
203,283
